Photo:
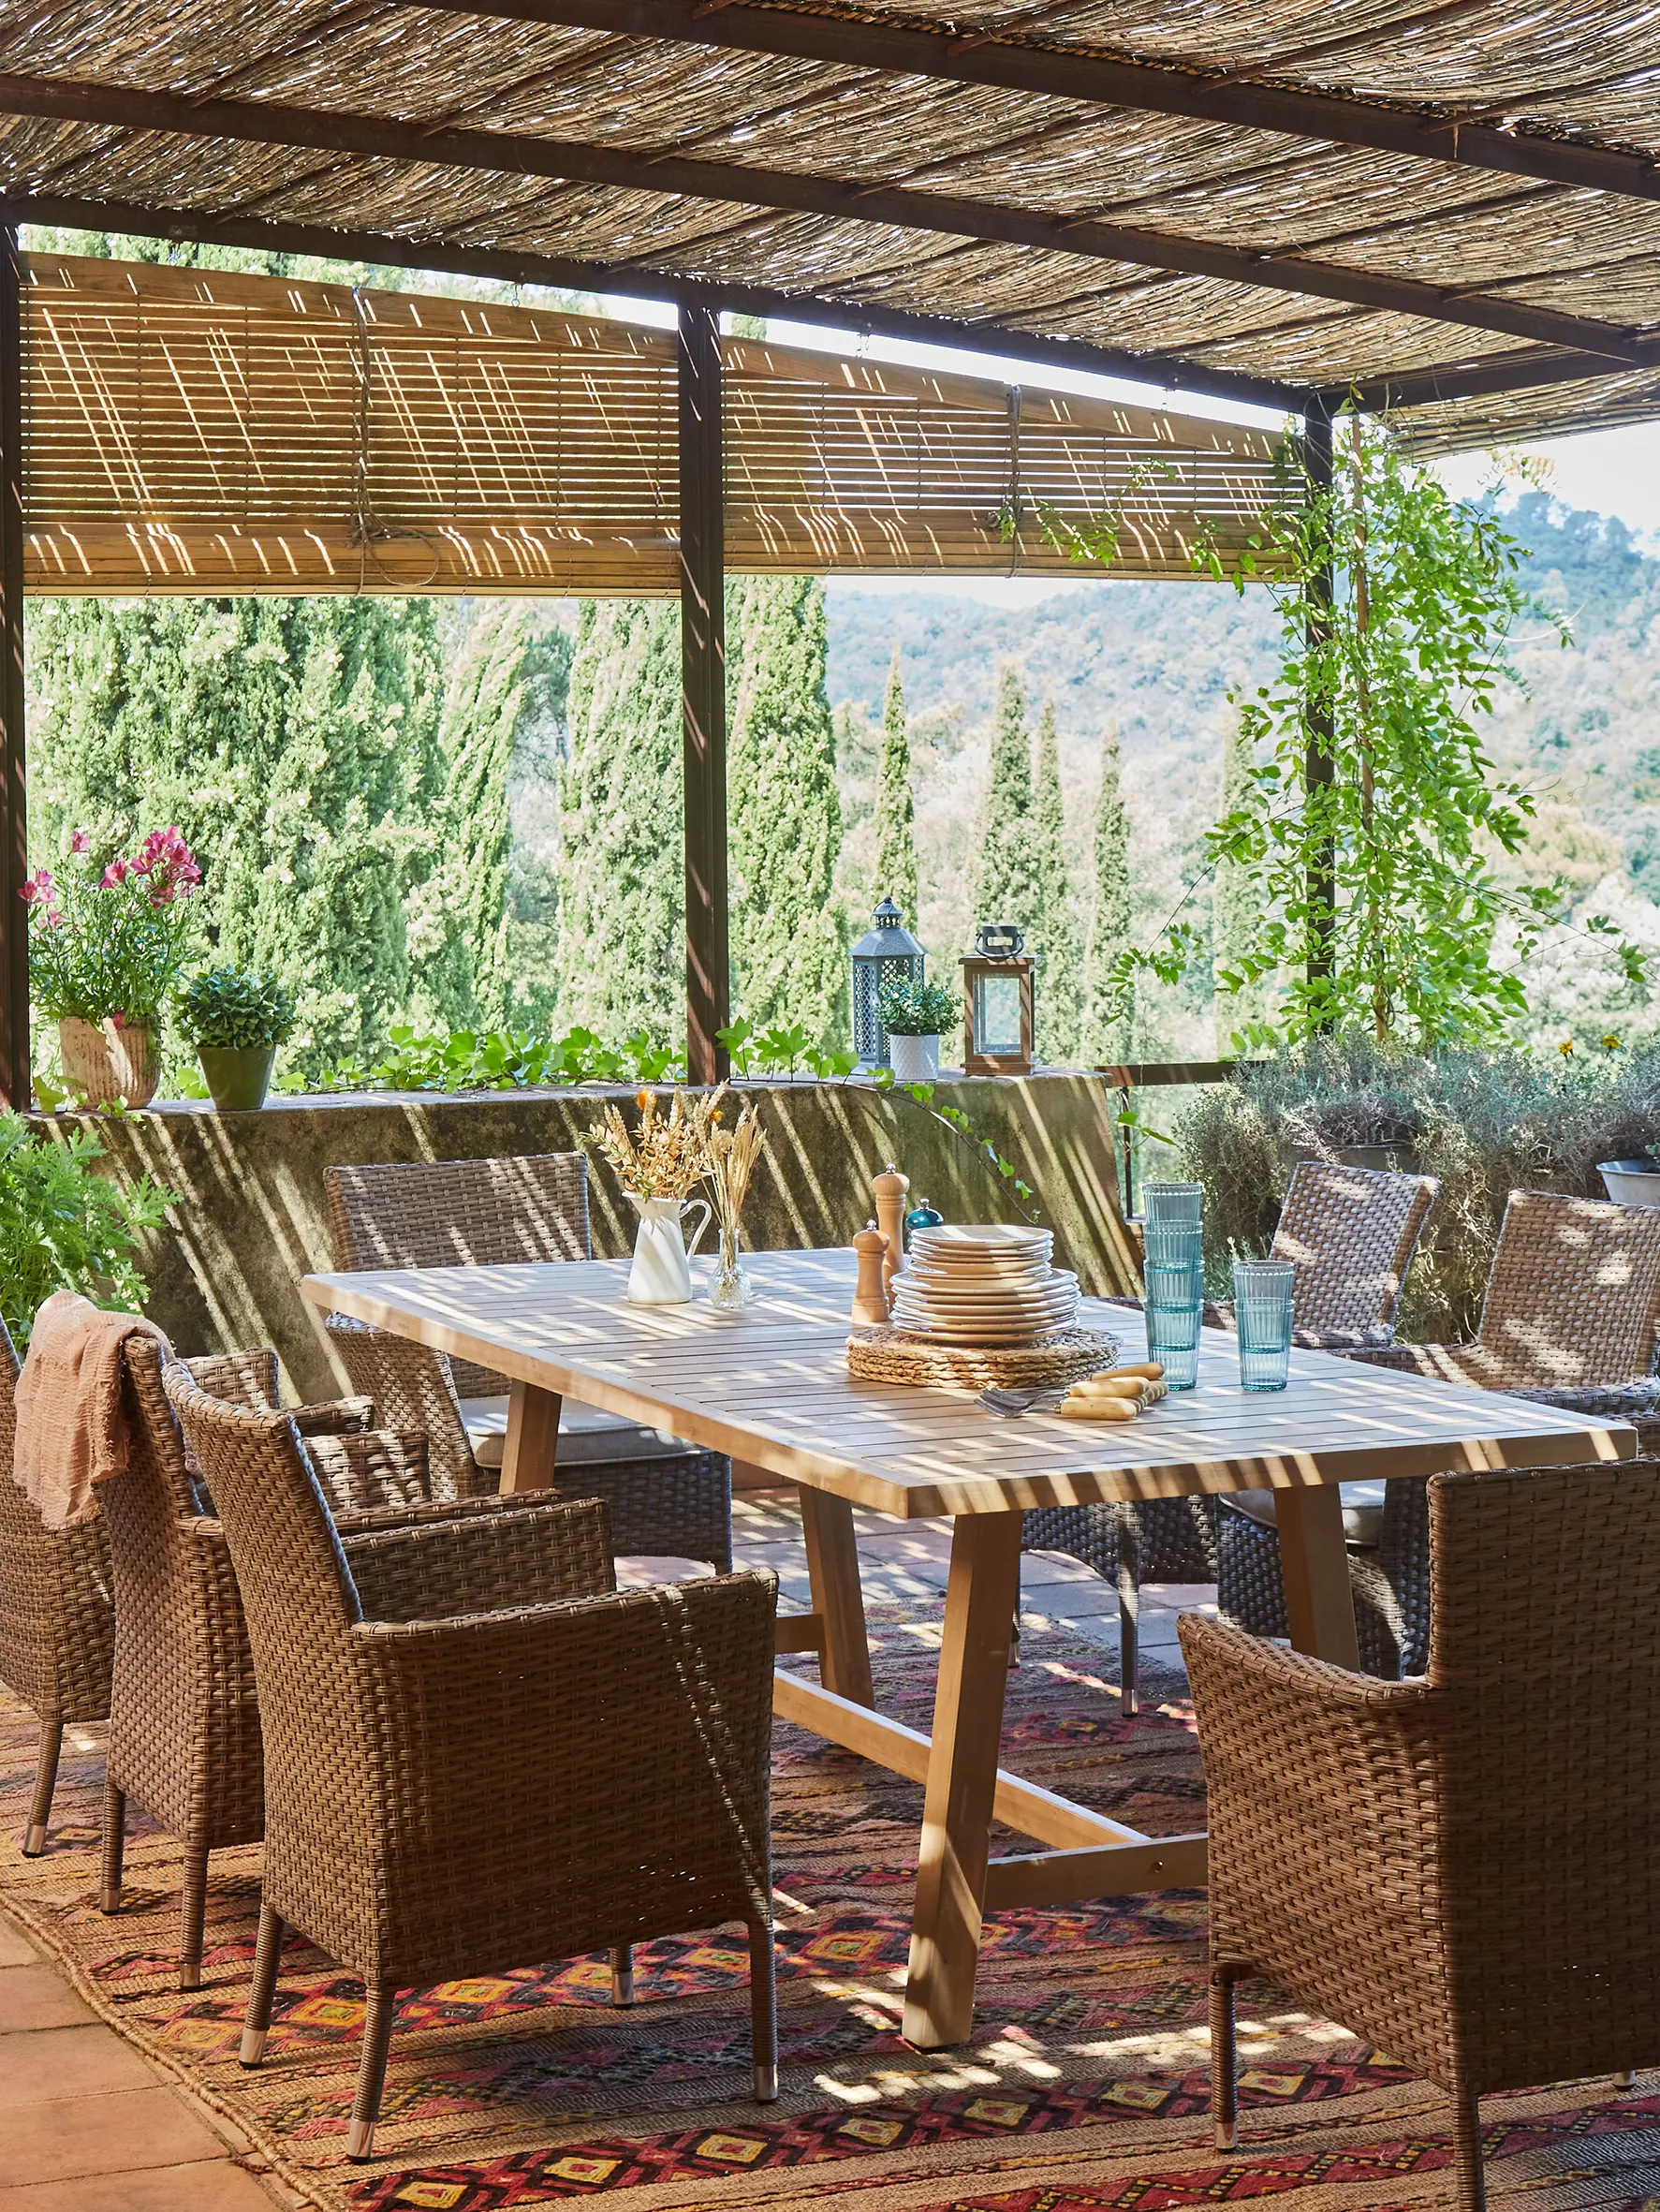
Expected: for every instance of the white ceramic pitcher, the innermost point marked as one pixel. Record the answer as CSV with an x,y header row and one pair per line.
x,y
660,1275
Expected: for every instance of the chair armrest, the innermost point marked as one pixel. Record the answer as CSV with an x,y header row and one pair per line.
x,y
382,1468
1439,1363
334,1417
412,1388
1380,1337
515,1554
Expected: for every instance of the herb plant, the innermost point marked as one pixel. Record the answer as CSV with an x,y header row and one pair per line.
x,y
235,1009
917,1009
63,1227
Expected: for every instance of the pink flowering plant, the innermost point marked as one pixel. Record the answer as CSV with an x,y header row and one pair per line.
x,y
109,935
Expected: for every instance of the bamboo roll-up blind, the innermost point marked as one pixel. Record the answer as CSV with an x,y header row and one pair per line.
x,y
191,431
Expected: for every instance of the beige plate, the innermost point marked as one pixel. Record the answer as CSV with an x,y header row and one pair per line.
x,y
998,1312
922,1285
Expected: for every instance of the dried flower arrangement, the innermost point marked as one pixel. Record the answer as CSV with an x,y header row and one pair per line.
x,y
667,1153
733,1156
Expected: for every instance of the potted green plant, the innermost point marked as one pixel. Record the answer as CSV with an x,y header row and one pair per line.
x,y
236,1017
105,943
914,1017
65,1227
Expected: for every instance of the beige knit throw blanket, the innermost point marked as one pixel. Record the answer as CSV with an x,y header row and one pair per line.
x,y
72,1423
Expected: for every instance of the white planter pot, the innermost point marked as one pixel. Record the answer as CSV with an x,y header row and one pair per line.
x,y
912,1059
1631,1182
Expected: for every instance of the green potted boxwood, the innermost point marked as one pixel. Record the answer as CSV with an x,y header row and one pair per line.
x,y
236,1017
914,1016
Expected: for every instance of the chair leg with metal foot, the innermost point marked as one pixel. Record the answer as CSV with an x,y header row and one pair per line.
x,y
193,1912
1224,2063
267,1951
1467,2150
114,1848
1626,2080
377,2036
1129,1613
623,1975
46,1781
763,2012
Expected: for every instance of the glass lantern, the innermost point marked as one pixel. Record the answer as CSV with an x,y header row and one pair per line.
x,y
999,995
886,954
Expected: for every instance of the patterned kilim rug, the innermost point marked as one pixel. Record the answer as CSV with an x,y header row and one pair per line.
x,y
1084,2088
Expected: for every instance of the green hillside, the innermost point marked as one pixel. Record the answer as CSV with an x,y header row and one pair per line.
x,y
1154,663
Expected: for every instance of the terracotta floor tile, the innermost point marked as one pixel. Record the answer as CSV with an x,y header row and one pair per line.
x,y
59,2062
120,2130
15,1947
38,1996
202,2186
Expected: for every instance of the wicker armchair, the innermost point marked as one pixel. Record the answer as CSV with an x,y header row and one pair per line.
x,y
603,1758
57,1619
1352,1232
1459,1869
1569,1319
665,1496
185,1737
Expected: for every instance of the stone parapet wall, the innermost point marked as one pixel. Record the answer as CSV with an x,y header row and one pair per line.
x,y
251,1220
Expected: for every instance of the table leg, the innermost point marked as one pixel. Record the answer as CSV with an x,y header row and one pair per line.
x,y
532,1446
1314,1564
962,1778
838,1598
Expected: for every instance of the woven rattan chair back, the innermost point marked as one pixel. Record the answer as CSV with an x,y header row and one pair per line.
x,y
1573,1300
57,1619
461,1213
1352,1232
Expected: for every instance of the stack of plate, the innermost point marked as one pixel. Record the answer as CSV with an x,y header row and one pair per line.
x,y
988,1285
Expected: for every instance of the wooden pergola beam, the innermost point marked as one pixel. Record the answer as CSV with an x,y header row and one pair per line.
x,y
15,1088
505,265
1509,372
1003,61
703,688
644,170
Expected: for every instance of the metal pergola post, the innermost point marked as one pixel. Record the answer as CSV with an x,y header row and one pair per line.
x,y
703,688
1319,766
15,1090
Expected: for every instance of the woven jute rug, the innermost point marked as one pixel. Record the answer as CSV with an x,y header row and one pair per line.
x,y
1083,2089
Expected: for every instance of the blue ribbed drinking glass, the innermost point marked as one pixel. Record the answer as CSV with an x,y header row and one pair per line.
x,y
1171,1201
1174,1275
1262,1314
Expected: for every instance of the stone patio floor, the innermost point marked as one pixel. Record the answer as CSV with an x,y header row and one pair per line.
x,y
87,2125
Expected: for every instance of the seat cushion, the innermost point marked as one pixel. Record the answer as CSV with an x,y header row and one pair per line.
x,y
586,1435
1363,1509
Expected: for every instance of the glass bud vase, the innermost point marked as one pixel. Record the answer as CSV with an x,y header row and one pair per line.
x,y
730,1288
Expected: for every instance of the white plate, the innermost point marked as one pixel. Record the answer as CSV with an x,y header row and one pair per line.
x,y
999,1310
925,1283
987,1235
971,1337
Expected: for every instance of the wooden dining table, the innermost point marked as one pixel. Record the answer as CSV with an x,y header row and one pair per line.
x,y
771,1386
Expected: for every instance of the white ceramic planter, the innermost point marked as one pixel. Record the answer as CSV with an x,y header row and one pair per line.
x,y
1631,1182
912,1059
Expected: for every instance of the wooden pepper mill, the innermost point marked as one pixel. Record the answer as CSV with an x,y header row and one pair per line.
x,y
891,1188
869,1299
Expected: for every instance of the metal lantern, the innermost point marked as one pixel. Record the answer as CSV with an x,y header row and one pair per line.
x,y
886,954
999,1002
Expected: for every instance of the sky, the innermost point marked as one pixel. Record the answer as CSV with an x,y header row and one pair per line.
x,y
1613,472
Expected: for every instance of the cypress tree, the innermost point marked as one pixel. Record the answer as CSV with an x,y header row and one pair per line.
x,y
1236,910
788,959
295,741
1054,936
1106,1038
483,696
621,912
896,811
1005,882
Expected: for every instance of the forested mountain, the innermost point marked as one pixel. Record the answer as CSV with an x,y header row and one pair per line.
x,y
1154,662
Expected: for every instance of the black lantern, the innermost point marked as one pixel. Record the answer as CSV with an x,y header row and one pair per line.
x,y
999,1002
886,954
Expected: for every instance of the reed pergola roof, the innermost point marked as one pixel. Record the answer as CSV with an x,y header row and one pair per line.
x,y
1453,207
191,431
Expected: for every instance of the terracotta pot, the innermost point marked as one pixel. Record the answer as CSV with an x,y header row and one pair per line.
x,y
238,1076
113,1063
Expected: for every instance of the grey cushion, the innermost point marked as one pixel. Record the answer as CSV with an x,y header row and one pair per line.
x,y
586,1435
1363,1509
